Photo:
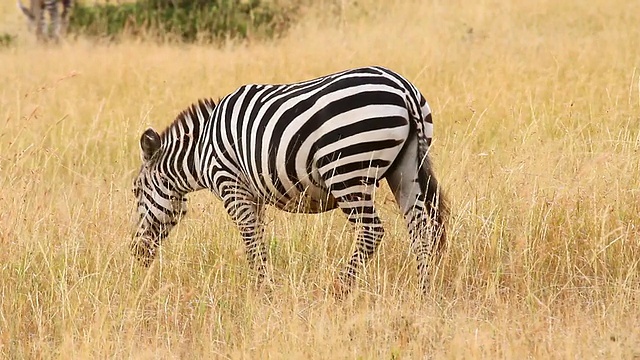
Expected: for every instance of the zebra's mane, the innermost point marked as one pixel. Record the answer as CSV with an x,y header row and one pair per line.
x,y
204,106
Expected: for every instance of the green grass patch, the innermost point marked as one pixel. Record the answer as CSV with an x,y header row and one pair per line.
x,y
182,20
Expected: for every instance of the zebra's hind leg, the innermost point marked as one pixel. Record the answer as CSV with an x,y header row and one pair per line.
x,y
248,216
40,23
54,22
424,211
357,203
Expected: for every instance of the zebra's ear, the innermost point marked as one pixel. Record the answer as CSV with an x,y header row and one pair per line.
x,y
149,144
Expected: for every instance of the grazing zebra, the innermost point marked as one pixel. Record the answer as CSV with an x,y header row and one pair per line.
x,y
305,147
57,22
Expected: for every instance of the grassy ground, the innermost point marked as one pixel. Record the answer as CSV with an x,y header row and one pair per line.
x,y
537,115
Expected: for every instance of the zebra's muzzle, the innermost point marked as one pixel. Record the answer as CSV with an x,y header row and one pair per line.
x,y
144,250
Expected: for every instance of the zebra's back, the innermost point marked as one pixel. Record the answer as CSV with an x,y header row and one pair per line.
x,y
293,143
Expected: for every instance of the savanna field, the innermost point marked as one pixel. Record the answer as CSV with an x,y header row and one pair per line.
x,y
537,144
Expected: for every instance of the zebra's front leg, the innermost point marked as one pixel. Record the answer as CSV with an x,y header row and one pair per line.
x,y
359,207
248,216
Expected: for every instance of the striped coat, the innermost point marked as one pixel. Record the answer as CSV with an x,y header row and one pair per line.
x,y
307,147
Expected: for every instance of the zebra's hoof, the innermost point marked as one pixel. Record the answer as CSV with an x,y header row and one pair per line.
x,y
341,289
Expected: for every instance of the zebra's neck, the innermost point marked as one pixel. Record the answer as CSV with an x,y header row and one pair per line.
x,y
183,145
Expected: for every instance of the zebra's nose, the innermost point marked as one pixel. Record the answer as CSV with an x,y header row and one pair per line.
x,y
143,250
137,234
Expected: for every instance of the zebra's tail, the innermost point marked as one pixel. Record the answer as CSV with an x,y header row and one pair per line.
x,y
435,199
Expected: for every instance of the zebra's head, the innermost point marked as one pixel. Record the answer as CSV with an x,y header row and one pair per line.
x,y
159,205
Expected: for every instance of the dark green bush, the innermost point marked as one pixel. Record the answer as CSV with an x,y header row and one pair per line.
x,y
7,40
185,20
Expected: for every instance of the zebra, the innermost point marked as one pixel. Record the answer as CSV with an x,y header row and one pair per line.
x,y
57,22
306,147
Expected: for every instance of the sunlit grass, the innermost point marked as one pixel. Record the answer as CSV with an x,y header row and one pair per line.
x,y
537,116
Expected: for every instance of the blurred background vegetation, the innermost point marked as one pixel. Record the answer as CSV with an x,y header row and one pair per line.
x,y
182,20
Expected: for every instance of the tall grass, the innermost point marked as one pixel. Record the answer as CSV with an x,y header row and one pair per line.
x,y
537,114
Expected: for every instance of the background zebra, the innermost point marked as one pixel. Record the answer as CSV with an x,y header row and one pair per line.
x,y
57,22
306,147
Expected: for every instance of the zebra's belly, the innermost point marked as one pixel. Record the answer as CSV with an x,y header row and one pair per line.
x,y
308,202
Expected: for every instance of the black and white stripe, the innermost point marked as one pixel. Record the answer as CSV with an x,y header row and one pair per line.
x,y
58,22
306,147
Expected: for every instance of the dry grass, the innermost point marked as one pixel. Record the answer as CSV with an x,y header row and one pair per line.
x,y
537,111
